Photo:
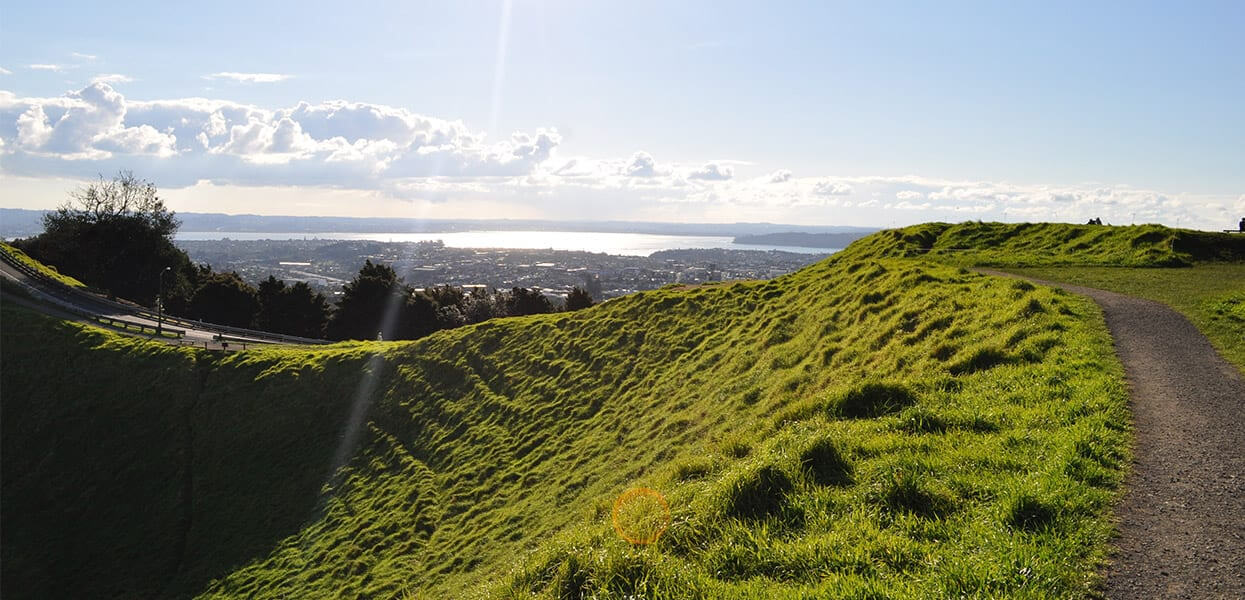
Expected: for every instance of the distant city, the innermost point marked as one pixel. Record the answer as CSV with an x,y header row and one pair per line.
x,y
608,259
327,264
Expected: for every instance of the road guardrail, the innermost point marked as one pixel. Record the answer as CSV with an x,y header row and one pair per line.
x,y
145,313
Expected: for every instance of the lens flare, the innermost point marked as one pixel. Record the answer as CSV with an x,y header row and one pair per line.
x,y
641,515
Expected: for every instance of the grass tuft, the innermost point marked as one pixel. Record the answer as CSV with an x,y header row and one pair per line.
x,y
758,493
1027,512
825,464
872,399
906,490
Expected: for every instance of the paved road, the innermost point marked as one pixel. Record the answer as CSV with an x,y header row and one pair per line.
x,y
53,301
1182,518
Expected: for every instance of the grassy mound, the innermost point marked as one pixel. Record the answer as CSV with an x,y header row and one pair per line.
x,y
861,428
1052,244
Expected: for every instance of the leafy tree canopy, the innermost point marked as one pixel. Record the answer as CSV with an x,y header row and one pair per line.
x,y
577,299
116,235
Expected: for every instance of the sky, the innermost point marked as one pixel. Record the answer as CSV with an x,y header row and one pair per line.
x,y
862,113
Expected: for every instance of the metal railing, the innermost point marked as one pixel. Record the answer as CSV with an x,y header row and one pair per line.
x,y
138,311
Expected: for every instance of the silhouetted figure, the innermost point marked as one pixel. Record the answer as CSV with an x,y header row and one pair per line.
x,y
1242,226
1095,221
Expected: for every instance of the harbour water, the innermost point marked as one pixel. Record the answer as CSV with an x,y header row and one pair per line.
x,y
631,244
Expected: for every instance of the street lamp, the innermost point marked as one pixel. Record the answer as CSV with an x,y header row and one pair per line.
x,y
160,302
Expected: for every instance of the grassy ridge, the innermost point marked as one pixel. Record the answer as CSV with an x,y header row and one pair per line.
x,y
861,427
1053,244
47,270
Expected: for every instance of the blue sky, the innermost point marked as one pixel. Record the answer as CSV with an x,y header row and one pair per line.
x,y
862,113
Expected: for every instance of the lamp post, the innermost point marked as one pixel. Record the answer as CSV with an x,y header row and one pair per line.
x,y
160,302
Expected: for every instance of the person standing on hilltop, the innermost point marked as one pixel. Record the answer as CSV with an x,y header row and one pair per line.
x,y
1242,225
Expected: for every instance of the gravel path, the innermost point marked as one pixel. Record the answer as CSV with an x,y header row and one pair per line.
x,y
1182,517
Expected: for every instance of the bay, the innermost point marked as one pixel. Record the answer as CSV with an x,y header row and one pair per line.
x,y
630,244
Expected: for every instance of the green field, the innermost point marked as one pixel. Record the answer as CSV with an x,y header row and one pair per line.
x,y
888,428
1212,296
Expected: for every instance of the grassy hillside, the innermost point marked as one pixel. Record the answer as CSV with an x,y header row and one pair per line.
x,y
47,270
861,428
1053,244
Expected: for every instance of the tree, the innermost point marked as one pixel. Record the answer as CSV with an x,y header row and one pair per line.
x,y
577,299
481,305
292,310
377,302
224,299
116,235
446,295
522,301
373,296
418,317
269,295
307,309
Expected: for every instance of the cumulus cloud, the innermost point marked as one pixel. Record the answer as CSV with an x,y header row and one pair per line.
x,y
87,124
249,77
335,143
394,152
112,78
4,71
641,165
45,67
780,176
832,188
712,171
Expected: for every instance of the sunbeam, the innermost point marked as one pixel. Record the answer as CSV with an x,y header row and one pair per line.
x,y
499,66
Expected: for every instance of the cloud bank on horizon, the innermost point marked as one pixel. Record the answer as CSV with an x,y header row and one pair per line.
x,y
407,156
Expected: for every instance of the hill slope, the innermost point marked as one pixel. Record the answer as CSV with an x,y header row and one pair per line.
x,y
863,427
1053,244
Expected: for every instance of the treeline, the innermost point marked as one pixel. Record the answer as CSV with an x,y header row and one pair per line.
x,y
378,304
117,237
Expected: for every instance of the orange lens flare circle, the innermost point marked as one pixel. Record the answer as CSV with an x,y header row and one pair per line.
x,y
641,515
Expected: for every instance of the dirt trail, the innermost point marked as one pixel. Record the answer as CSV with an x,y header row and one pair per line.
x,y
1182,518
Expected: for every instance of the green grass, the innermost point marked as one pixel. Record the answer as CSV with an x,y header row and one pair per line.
x,y
1053,244
1211,295
47,270
861,428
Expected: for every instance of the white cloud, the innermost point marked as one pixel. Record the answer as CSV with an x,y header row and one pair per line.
x,y
249,77
641,165
111,78
394,153
780,176
4,71
832,188
83,56
335,143
907,205
712,171
46,67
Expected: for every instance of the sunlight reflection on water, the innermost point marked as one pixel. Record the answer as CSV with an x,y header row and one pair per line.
x,y
633,244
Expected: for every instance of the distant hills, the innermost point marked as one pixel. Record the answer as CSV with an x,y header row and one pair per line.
x,y
15,222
